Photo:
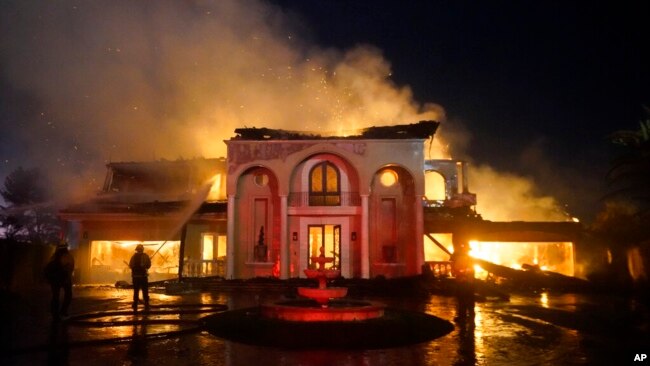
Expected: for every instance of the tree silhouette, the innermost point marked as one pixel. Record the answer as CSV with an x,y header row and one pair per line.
x,y
629,177
624,221
29,215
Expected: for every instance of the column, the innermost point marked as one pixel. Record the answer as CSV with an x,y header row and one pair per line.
x,y
465,186
230,238
419,233
285,255
365,252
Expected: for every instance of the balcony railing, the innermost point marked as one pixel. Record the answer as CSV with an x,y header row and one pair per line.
x,y
301,199
456,200
440,268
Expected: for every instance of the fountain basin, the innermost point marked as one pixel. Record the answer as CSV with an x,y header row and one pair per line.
x,y
396,328
322,295
311,311
326,273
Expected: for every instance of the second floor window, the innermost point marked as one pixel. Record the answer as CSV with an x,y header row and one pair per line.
x,y
324,185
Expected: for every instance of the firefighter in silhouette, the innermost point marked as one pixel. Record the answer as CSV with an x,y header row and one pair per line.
x,y
463,270
140,264
58,273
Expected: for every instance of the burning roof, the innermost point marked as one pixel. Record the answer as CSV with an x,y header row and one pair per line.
x,y
178,177
157,188
419,130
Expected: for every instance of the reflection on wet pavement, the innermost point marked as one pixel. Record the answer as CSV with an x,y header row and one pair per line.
x,y
542,329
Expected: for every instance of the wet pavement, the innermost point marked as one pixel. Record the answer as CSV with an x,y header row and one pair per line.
x,y
543,329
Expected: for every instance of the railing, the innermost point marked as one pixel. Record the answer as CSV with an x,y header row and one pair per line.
x,y
456,200
440,268
301,199
203,268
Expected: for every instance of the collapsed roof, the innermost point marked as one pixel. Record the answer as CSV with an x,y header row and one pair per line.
x,y
419,130
161,176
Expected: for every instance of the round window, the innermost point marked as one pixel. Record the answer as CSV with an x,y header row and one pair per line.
x,y
388,178
261,179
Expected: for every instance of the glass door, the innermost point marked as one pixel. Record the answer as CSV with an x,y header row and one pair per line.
x,y
327,238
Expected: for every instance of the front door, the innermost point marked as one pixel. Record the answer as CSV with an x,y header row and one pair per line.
x,y
328,239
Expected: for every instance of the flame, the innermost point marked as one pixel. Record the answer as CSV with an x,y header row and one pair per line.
x,y
548,256
434,186
543,299
215,193
109,259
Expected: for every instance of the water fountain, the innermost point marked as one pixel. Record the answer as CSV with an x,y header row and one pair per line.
x,y
323,318
322,303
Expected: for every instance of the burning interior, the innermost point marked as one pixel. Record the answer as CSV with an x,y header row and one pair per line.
x,y
153,203
110,259
450,218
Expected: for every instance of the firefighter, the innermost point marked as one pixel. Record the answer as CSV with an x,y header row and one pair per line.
x,y
463,271
58,273
462,265
140,264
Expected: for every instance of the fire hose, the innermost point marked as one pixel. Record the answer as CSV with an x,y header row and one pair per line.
x,y
86,320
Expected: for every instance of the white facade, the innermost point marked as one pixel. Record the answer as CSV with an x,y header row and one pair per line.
x,y
325,192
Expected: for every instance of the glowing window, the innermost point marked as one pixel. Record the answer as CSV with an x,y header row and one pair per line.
x,y
221,246
324,185
208,247
388,178
327,238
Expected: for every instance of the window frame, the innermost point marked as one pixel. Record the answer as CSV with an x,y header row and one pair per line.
x,y
324,197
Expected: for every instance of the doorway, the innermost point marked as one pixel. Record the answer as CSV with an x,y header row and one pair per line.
x,y
328,238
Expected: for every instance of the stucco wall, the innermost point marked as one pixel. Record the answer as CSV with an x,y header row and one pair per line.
x,y
358,162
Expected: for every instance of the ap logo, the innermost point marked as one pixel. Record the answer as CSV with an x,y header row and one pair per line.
x,y
640,357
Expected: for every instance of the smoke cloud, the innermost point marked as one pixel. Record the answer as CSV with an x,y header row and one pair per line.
x,y
504,197
131,80
141,80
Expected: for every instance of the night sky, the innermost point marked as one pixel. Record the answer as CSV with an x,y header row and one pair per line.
x,y
530,89
538,86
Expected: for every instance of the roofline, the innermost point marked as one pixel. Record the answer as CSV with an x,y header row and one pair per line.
x,y
419,130
326,139
121,216
151,162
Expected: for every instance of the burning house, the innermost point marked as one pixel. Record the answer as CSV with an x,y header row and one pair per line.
x,y
370,201
162,205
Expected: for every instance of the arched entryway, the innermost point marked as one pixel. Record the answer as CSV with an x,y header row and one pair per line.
x,y
257,227
393,244
324,208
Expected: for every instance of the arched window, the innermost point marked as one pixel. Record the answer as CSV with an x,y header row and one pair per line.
x,y
324,185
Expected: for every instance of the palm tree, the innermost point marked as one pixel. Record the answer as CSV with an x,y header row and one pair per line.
x,y
624,221
629,177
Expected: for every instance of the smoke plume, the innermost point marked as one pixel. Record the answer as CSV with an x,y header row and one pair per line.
x,y
130,80
140,80
504,197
